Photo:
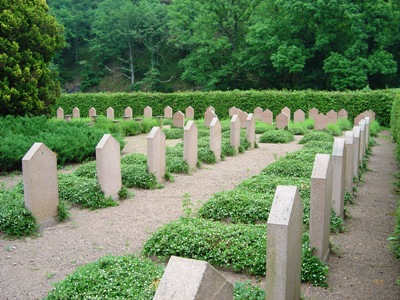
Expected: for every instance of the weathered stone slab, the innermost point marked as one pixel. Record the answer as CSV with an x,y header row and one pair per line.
x,y
370,114
189,279
342,114
156,152
189,112
313,113
358,119
367,121
243,119
235,132
92,112
128,114
168,112
215,138
286,111
147,112
349,149
178,119
76,113
108,166
356,150
282,121
332,117
60,113
110,113
209,115
190,144
284,233
251,130
257,113
362,139
233,111
39,173
338,176
267,117
299,116
320,122
211,108
320,205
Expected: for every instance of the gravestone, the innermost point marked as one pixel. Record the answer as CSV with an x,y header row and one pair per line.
x,y
367,121
243,119
156,152
209,115
76,113
110,113
211,108
178,119
257,113
332,117
370,114
168,112
190,144
313,113
320,122
60,113
267,117
251,130
286,111
128,114
282,121
349,149
338,176
342,114
108,166
362,140
189,112
39,173
233,111
356,150
147,112
215,138
299,116
235,132
189,279
320,205
284,234
92,112
358,119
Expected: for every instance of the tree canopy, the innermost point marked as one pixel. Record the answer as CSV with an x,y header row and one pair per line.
x,y
29,37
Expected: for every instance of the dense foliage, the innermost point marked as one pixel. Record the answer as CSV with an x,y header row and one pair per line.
x,y
29,37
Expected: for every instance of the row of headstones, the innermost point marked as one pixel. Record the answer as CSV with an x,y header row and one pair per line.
x,y
332,175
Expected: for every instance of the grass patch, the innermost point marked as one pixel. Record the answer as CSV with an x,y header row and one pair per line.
x,y
277,136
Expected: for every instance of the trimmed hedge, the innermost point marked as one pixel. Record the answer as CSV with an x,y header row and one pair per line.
x,y
355,102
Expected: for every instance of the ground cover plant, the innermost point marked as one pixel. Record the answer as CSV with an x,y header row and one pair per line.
x,y
277,136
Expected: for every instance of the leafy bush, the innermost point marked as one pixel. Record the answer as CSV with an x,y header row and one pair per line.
x,y
111,277
175,162
334,129
147,124
344,124
317,136
277,136
298,128
138,176
374,128
263,127
247,291
173,133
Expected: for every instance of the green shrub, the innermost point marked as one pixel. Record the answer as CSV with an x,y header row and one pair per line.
x,y
173,133
334,129
147,124
263,127
227,149
247,291
111,277
87,170
317,136
130,128
276,136
134,158
175,162
309,124
136,175
344,124
298,128
374,128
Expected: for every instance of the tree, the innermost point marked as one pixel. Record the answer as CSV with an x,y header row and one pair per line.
x,y
29,37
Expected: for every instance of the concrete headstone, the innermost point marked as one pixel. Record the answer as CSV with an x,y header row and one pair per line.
x,y
189,112
342,114
349,149
147,112
60,113
338,176
233,111
370,114
267,117
235,132
286,111
190,144
320,122
128,114
282,121
358,118
215,138
251,130
257,113
299,116
356,150
332,117
76,113
92,112
178,120
362,140
110,113
313,113
243,118
168,112
156,144
209,115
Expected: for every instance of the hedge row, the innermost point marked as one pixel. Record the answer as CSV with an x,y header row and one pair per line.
x,y
354,102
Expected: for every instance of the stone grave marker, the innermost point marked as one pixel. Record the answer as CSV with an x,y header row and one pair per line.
x,y
286,111
76,114
189,279
338,176
320,205
108,166
349,149
313,113
282,121
233,111
367,121
190,144
362,140
128,114
189,112
178,119
92,113
110,113
267,117
299,116
342,114
332,116
358,119
211,108
60,113
320,122
156,152
39,173
370,114
356,150
251,130
215,138
258,112
168,112
284,233
209,115
147,112
243,119
235,132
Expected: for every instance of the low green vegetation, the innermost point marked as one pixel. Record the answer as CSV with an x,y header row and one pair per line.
x,y
298,128
277,136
